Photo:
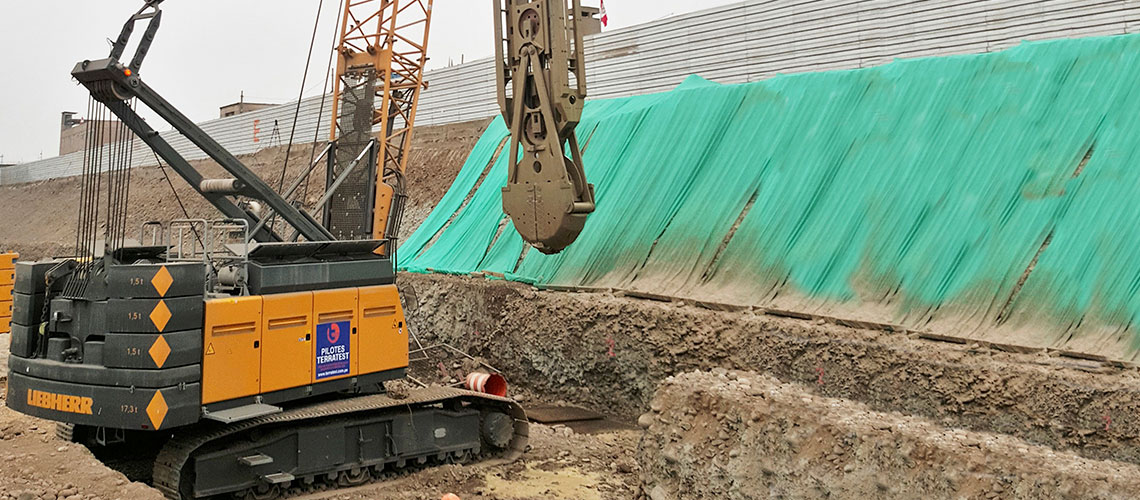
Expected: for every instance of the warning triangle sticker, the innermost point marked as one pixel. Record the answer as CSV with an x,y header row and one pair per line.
x,y
209,349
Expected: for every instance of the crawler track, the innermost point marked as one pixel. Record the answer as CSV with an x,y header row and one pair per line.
x,y
174,474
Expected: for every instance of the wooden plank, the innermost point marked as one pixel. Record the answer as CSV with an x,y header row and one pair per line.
x,y
1081,355
718,306
648,296
943,338
784,313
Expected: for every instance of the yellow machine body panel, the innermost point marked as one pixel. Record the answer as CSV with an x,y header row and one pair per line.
x,y
383,341
263,344
7,279
231,358
286,341
335,343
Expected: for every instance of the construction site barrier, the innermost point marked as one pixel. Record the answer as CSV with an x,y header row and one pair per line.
x,y
7,282
734,43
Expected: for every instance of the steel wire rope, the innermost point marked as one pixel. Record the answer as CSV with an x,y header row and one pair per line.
x,y
297,109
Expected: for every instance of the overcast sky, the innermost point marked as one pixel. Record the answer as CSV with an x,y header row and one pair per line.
x,y
209,51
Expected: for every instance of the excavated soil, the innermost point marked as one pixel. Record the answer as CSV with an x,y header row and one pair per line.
x,y
743,435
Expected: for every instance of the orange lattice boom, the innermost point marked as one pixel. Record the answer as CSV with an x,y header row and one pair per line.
x,y
390,37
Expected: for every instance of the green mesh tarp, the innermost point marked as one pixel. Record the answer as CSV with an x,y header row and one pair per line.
x,y
993,196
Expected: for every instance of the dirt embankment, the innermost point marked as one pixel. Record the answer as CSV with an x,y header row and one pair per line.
x,y
39,218
742,435
612,352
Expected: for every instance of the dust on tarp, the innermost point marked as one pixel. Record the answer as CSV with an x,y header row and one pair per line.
x,y
990,196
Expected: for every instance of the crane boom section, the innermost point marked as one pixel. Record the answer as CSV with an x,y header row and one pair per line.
x,y
379,77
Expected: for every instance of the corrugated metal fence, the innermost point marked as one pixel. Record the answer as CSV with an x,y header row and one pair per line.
x,y
735,43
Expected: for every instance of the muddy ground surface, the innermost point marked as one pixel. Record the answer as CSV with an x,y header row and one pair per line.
x,y
560,464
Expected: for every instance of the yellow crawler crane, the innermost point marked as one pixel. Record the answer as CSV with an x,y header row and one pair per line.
x,y
246,357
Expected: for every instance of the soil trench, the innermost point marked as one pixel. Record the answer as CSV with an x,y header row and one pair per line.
x,y
610,353
743,435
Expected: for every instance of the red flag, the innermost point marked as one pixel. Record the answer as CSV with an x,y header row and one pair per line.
x,y
605,18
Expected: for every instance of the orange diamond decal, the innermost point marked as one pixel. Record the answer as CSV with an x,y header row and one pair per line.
x,y
159,351
160,315
157,409
162,281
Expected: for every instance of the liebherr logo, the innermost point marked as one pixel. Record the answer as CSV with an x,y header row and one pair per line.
x,y
60,402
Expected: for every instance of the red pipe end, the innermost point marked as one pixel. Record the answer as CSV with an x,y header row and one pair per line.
x,y
493,383
496,386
